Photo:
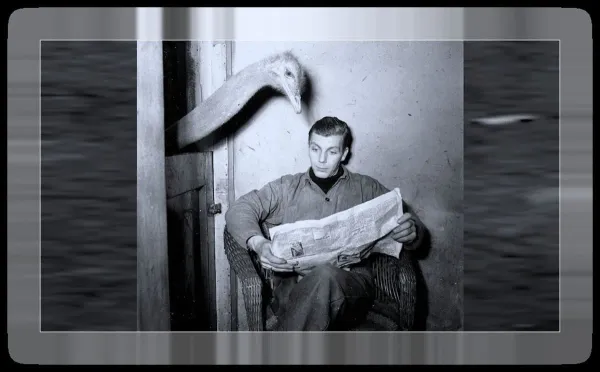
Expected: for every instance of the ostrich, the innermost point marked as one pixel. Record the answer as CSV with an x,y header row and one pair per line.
x,y
282,72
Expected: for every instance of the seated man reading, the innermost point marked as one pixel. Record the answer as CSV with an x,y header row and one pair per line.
x,y
324,297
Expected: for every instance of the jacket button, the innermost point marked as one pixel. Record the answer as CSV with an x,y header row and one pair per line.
x,y
326,199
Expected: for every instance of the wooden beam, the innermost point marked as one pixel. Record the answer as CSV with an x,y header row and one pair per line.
x,y
152,259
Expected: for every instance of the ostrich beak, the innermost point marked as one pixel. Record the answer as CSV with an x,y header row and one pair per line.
x,y
297,103
294,98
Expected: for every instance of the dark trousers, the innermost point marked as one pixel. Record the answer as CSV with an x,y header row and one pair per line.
x,y
326,299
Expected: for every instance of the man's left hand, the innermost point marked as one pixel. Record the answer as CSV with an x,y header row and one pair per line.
x,y
406,231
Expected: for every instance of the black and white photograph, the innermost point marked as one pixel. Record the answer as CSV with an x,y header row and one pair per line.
x,y
305,186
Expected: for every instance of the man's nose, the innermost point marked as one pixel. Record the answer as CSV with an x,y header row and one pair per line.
x,y
323,158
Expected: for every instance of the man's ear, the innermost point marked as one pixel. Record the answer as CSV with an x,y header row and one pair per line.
x,y
345,154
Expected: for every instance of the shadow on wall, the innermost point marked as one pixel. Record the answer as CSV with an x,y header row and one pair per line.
x,y
422,306
251,108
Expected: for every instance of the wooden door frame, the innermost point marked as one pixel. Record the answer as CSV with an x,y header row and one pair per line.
x,y
184,80
191,249
213,62
212,67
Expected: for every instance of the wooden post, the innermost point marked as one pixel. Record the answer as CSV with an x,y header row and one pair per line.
x,y
152,258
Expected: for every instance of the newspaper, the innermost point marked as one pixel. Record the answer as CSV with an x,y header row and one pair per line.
x,y
343,238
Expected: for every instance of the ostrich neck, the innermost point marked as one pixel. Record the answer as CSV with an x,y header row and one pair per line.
x,y
220,106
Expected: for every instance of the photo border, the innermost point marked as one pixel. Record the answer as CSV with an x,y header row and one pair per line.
x,y
571,345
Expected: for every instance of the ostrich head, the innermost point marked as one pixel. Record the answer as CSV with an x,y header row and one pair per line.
x,y
288,77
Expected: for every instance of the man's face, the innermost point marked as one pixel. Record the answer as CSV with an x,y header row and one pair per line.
x,y
326,154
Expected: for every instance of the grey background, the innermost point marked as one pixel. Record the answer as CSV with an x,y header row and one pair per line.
x,y
88,193
511,240
573,344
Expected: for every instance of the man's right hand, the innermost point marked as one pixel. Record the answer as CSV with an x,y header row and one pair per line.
x,y
262,247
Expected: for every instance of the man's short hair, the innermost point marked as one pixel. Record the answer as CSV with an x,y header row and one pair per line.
x,y
332,126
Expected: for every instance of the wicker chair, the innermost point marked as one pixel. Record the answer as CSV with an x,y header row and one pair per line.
x,y
395,283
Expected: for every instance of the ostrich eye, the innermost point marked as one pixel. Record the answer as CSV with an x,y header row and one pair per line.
x,y
288,73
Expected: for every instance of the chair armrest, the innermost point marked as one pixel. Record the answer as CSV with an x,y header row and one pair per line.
x,y
395,279
238,257
241,263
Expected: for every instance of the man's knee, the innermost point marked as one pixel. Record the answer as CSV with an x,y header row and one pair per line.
x,y
326,273
325,283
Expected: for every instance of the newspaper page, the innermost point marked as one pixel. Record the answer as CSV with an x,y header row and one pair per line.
x,y
343,238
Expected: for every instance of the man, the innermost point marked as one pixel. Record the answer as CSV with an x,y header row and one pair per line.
x,y
324,297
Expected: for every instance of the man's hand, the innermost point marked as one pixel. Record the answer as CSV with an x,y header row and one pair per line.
x,y
406,231
262,247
